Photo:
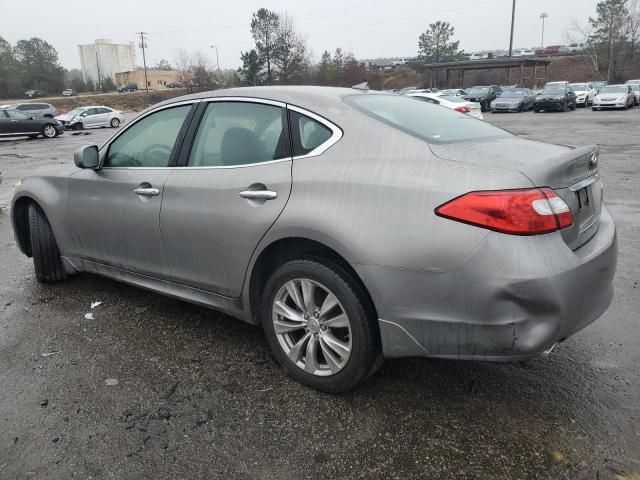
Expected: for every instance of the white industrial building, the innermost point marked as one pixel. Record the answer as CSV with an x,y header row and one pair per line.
x,y
103,59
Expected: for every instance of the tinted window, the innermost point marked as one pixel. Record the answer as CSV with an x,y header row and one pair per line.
x,y
92,111
25,107
238,133
17,115
308,134
103,110
149,141
422,120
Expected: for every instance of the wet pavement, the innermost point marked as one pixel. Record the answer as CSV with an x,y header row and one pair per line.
x,y
153,387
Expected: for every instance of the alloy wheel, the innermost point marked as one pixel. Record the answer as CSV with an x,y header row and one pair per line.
x,y
312,327
49,131
115,122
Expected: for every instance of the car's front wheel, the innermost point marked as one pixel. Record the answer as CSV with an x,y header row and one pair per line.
x,y
49,131
320,325
44,249
115,123
76,126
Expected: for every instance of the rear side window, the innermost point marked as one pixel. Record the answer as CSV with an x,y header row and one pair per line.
x,y
239,133
25,107
423,120
308,134
149,142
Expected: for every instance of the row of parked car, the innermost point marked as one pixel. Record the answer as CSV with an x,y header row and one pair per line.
x,y
560,96
35,119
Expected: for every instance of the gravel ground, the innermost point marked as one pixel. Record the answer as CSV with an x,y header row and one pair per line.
x,y
158,388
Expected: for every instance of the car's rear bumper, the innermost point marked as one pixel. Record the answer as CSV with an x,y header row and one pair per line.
x,y
514,298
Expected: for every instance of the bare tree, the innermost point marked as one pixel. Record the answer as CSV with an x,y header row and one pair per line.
x,y
182,59
580,34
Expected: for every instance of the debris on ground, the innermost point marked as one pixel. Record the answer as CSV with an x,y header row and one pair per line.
x,y
95,304
111,382
48,354
88,316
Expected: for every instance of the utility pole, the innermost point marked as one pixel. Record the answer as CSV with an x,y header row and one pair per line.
x,y
513,18
98,69
217,59
143,38
543,15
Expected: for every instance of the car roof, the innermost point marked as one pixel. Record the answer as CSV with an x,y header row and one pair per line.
x,y
321,100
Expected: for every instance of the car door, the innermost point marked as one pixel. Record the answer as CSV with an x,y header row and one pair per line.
x,y
19,123
113,213
234,184
89,117
101,117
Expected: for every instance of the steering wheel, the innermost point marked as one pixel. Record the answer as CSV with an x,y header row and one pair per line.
x,y
156,151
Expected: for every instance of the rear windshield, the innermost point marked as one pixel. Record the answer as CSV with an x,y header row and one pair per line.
x,y
429,122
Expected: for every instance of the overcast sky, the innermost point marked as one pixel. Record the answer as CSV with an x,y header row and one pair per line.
x,y
369,28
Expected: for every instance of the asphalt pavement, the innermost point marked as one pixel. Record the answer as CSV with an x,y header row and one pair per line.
x,y
153,387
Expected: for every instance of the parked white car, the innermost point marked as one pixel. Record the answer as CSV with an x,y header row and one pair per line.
x,y
614,96
91,117
523,52
452,92
585,93
454,103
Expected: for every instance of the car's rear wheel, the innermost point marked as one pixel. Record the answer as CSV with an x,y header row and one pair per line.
x,y
49,131
319,325
115,123
44,249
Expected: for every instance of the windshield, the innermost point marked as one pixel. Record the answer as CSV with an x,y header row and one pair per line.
x,y
579,86
635,87
512,94
424,120
76,111
554,90
478,90
614,89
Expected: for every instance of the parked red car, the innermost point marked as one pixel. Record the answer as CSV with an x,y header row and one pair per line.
x,y
550,50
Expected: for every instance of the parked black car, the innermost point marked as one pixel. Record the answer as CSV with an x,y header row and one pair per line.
x,y
484,95
16,124
558,97
514,100
33,94
174,85
128,87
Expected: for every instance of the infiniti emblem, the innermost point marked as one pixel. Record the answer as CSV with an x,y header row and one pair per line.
x,y
593,162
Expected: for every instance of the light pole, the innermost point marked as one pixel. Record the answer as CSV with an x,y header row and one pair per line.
x,y
217,59
543,15
513,18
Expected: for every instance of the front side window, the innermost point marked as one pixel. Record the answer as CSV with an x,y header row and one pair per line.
x,y
424,121
238,133
150,141
16,115
308,134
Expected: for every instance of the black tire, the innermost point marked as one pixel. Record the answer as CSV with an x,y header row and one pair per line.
x,y
77,126
365,356
46,256
574,105
114,123
565,107
535,110
49,131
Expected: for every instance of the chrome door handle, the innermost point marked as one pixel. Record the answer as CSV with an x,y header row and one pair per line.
x,y
259,194
146,191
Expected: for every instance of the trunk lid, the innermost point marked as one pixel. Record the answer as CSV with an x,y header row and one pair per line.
x,y
571,171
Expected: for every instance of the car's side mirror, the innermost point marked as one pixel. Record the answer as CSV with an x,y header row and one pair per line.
x,y
84,114
87,157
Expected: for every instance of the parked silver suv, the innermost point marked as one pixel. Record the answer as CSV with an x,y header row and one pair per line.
x,y
36,110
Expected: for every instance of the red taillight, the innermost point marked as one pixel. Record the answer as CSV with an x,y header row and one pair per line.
x,y
462,109
531,211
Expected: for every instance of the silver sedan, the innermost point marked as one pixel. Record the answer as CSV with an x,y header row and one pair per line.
x,y
91,117
352,226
